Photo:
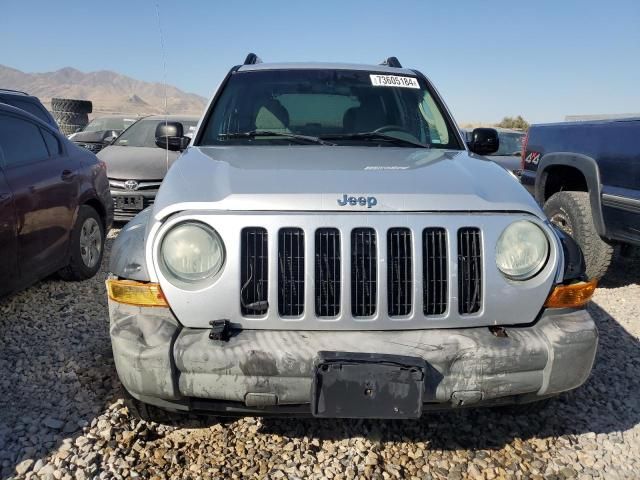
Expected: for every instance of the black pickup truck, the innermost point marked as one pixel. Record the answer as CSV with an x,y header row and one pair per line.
x,y
586,175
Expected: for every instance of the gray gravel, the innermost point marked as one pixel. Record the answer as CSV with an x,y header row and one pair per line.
x,y
63,413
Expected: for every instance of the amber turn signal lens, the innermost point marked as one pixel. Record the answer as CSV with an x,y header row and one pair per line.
x,y
136,293
571,296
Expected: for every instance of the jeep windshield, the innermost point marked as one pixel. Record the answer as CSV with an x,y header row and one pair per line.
x,y
334,107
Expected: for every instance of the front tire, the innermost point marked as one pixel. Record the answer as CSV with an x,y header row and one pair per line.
x,y
86,247
571,212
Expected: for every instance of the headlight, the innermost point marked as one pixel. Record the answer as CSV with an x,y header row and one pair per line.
x,y
191,252
522,250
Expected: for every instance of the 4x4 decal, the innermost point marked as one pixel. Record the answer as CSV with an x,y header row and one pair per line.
x,y
533,158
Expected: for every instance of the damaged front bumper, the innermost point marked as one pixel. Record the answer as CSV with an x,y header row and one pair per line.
x,y
269,371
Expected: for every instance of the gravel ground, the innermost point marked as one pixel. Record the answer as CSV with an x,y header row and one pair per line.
x,y
63,413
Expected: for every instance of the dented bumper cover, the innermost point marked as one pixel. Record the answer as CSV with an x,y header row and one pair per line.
x,y
272,371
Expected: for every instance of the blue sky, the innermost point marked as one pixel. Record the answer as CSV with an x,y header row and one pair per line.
x,y
542,59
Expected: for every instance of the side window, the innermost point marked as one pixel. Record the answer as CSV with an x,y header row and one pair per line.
x,y
435,121
53,144
21,141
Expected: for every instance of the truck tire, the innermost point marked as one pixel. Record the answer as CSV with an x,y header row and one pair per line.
x,y
71,105
86,246
66,129
571,212
70,118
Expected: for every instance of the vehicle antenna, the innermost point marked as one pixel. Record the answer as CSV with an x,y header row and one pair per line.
x,y
164,79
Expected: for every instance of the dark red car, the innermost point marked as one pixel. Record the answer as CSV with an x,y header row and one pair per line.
x,y
55,205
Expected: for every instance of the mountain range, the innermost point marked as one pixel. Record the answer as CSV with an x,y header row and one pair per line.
x,y
110,92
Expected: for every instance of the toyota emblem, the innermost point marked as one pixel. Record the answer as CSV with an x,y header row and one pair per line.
x,y
131,185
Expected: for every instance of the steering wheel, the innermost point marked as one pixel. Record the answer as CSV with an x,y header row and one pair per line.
x,y
392,128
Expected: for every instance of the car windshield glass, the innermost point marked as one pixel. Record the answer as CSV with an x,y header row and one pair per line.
x,y
104,124
327,104
510,143
143,133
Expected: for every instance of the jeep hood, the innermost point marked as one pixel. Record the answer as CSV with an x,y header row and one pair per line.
x,y
136,163
314,178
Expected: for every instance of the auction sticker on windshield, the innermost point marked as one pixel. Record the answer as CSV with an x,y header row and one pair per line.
x,y
394,81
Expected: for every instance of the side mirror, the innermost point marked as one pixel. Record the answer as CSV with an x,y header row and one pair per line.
x,y
170,136
484,141
109,137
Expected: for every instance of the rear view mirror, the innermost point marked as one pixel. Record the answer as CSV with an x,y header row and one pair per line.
x,y
170,135
484,141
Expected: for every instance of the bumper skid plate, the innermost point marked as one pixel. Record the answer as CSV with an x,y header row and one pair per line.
x,y
367,385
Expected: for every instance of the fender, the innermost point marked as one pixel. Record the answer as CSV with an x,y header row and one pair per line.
x,y
589,169
127,254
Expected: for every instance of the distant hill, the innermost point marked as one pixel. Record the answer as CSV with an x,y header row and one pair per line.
x,y
110,92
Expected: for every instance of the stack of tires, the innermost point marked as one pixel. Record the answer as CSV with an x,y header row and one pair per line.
x,y
71,115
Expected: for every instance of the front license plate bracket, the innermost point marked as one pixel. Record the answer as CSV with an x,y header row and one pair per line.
x,y
129,202
367,385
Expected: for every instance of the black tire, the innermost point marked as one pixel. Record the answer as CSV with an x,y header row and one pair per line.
x,y
69,118
71,105
86,246
69,129
571,212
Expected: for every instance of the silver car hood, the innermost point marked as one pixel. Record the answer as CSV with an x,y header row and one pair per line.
x,y
136,163
316,178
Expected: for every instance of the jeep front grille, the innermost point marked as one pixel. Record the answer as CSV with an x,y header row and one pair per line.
x,y
399,271
254,272
364,272
410,266
290,272
434,271
469,270
327,278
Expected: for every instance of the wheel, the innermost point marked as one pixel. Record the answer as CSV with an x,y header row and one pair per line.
x,y
571,212
70,118
87,246
71,105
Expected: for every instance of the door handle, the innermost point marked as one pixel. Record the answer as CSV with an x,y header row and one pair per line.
x,y
67,175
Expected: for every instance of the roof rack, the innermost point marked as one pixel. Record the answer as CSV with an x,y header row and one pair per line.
x,y
5,90
252,59
392,62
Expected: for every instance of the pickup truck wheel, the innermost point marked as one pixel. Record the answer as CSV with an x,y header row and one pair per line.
x,y
571,212
86,246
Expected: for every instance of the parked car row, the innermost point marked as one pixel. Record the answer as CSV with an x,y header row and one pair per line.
x,y
337,214
57,198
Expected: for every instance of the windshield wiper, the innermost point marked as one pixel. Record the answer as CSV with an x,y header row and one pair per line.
x,y
376,136
269,133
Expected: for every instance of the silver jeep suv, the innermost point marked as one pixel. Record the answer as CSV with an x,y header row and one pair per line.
x,y
328,244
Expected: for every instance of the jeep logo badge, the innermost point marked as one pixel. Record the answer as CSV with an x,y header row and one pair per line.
x,y
362,201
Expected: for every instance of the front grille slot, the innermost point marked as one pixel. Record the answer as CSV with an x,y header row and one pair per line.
x,y
469,270
327,279
254,272
290,272
399,271
434,271
364,271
